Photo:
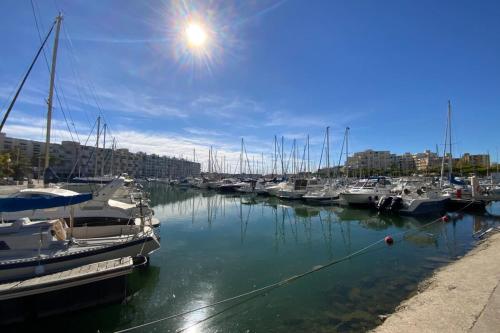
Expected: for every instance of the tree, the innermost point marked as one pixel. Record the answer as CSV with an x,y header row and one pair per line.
x,y
6,165
19,164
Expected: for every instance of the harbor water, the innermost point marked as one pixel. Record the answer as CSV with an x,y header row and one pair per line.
x,y
215,246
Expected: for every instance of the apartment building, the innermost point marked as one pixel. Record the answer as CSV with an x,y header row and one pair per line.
x,y
71,158
370,160
479,160
426,161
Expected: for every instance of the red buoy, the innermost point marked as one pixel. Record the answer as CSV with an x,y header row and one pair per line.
x,y
389,240
445,218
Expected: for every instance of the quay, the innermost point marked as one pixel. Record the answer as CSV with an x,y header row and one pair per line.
x,y
461,297
74,289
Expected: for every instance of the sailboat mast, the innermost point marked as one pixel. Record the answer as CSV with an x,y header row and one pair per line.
x,y
444,150
450,166
282,157
241,158
328,150
97,145
112,157
275,167
308,165
347,150
262,163
51,91
103,150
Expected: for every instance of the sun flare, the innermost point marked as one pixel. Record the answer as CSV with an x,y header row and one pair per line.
x,y
196,35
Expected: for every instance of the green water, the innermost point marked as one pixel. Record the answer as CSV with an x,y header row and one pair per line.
x,y
217,246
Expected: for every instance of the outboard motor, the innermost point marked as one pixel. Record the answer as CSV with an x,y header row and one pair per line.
x,y
396,204
384,203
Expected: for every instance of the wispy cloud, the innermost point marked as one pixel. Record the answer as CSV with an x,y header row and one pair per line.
x,y
203,131
227,107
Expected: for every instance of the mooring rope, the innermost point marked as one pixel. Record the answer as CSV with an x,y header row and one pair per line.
x,y
257,292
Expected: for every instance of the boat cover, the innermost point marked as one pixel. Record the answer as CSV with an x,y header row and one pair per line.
x,y
20,204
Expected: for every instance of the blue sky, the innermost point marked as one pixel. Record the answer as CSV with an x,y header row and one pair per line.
x,y
384,68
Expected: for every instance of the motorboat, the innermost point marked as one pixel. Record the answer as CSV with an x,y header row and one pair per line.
x,y
100,210
229,185
252,186
29,249
273,188
367,191
418,202
328,193
294,190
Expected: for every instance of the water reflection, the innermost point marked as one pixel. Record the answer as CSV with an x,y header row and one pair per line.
x,y
216,246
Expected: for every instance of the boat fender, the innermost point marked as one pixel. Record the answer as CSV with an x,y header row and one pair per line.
x,y
445,218
389,240
370,199
59,230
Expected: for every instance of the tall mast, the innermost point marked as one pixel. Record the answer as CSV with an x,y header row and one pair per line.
x,y
241,158
328,150
347,150
444,150
275,167
209,156
262,163
112,157
450,166
308,168
103,150
51,91
253,165
97,145
282,157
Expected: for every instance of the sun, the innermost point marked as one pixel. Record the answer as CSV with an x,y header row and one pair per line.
x,y
196,35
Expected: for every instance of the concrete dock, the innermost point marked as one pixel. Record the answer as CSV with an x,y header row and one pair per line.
x,y
462,297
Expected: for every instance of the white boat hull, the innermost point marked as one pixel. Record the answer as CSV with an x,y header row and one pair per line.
x,y
27,268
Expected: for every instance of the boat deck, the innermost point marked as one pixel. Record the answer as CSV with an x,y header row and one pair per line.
x,y
70,278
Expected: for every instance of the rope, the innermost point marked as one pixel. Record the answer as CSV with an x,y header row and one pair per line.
x,y
262,290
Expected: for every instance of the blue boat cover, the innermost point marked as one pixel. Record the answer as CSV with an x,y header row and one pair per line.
x,y
20,204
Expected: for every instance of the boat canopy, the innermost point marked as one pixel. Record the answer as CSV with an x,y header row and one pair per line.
x,y
41,202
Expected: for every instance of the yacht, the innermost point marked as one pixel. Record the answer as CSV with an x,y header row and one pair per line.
x,y
273,188
29,249
418,202
253,186
327,194
366,191
100,210
229,185
298,188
